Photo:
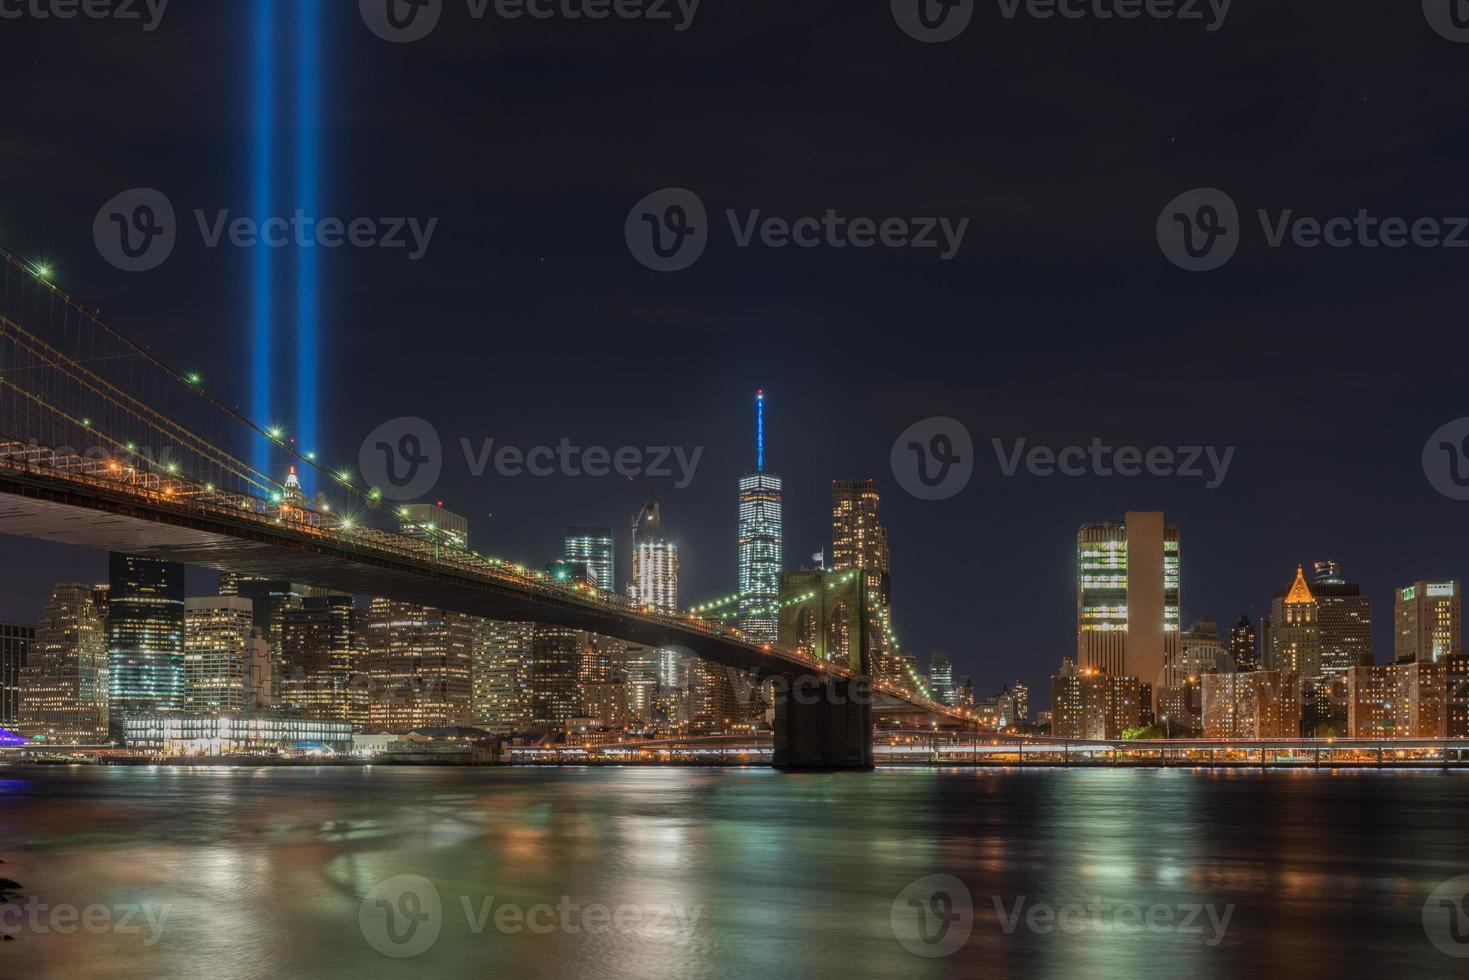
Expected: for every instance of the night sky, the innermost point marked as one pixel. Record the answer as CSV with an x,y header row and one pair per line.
x,y
528,319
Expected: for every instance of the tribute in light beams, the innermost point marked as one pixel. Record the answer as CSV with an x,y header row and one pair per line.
x,y
262,192
308,167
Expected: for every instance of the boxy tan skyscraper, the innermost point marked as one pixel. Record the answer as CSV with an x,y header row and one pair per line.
x,y
1427,622
1127,596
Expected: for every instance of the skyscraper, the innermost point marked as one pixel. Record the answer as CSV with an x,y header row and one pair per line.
x,y
1293,631
1427,622
859,541
1345,618
433,523
941,678
502,701
418,666
654,561
1244,648
1200,651
64,685
145,636
555,673
1127,596
761,543
593,546
217,631
270,599
324,658
15,646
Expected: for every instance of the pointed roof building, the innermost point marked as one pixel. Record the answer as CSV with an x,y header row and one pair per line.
x,y
1300,592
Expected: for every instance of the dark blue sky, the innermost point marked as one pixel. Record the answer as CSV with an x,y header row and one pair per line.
x,y
1060,321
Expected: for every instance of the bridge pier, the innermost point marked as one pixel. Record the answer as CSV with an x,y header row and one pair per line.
x,y
824,723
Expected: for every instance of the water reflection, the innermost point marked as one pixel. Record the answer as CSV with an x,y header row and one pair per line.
x,y
753,875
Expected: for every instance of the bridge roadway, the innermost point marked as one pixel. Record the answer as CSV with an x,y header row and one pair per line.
x,y
92,504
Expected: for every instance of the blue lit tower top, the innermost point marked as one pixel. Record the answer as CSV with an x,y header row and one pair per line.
x,y
760,540
760,431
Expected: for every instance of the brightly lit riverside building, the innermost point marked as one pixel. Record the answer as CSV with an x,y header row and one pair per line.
x,y
210,734
1127,597
145,635
761,543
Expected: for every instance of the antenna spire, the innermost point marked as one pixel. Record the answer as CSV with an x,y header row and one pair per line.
x,y
760,431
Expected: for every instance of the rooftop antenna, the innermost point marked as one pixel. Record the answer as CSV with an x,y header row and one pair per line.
x,y
760,431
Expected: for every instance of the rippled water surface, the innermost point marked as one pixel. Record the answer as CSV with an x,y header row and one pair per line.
x,y
748,874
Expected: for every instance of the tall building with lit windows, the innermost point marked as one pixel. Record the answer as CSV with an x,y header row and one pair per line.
x,y
654,561
502,699
761,541
63,687
1345,617
1293,631
145,636
217,632
859,541
324,653
15,646
593,547
1127,597
941,678
1244,648
419,665
1427,622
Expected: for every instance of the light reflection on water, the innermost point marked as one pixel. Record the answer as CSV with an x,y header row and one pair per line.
x,y
263,872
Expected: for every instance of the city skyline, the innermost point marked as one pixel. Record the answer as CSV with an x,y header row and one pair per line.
x,y
1388,531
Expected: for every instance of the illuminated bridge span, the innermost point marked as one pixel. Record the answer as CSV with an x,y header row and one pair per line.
x,y
104,445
